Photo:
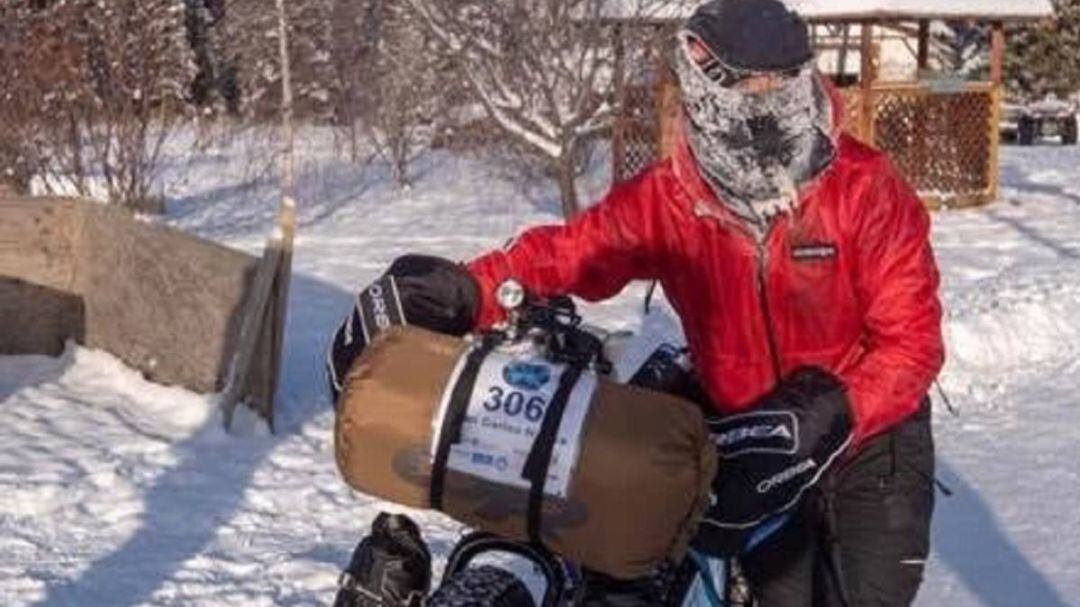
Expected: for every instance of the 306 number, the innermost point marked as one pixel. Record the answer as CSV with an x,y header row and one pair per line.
x,y
515,403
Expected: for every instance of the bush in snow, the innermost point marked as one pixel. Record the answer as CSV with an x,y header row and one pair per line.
x,y
95,88
392,86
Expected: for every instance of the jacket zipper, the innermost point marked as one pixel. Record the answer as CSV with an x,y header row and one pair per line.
x,y
763,297
760,239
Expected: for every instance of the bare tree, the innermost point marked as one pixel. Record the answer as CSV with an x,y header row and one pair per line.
x,y
356,29
140,68
17,153
542,69
100,87
391,85
404,93
44,88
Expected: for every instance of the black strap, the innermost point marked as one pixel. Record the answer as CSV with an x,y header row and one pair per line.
x,y
539,460
456,409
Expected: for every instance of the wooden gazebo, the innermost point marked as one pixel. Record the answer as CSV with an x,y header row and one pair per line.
x,y
940,129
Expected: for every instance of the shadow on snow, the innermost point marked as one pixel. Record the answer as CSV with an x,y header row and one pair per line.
x,y
969,539
185,507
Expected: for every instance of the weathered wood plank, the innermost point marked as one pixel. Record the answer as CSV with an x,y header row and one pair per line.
x,y
38,238
253,321
165,302
162,301
282,284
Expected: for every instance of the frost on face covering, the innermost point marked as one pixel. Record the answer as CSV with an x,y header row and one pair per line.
x,y
755,148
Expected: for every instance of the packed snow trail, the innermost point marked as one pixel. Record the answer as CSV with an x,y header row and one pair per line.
x,y
120,492
1010,536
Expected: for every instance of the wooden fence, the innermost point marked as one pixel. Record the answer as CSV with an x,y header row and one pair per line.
x,y
175,307
943,139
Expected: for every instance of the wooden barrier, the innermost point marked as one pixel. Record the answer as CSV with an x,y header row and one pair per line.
x,y
943,139
166,303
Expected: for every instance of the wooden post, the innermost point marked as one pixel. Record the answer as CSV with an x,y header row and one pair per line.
x,y
924,46
842,54
619,130
997,78
286,211
997,53
867,76
256,366
921,144
994,163
669,116
668,110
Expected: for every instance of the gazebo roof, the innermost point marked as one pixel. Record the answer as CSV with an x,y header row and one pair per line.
x,y
858,10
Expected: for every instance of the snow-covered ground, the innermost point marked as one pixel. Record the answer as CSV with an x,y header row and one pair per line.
x,y
119,492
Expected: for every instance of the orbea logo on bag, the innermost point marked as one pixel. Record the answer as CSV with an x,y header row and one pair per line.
x,y
380,307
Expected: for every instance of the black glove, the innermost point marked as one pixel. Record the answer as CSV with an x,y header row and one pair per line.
x,y
770,456
428,292
389,568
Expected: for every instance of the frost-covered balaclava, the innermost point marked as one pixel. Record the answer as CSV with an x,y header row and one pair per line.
x,y
755,149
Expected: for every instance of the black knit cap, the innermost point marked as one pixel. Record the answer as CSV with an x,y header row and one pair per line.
x,y
759,35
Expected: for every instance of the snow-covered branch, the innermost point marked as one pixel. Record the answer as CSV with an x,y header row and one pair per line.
x,y
540,68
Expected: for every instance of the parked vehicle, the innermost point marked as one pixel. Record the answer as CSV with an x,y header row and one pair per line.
x,y
1028,123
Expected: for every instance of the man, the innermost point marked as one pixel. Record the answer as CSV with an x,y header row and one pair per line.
x,y
799,263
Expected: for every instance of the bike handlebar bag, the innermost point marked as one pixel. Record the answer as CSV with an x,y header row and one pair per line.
x,y
611,476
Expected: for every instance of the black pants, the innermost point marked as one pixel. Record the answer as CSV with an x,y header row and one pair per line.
x,y
862,538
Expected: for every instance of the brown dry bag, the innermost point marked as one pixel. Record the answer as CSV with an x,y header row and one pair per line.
x,y
624,482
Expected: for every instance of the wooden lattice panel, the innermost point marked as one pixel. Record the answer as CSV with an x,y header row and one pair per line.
x,y
940,141
943,142
852,107
641,127
641,131
637,130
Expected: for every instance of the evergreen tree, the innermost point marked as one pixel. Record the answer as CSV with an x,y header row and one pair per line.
x,y
961,47
1045,58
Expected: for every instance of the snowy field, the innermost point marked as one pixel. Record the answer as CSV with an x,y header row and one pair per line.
x,y
118,492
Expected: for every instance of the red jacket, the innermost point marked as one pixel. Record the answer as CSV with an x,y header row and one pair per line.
x,y
847,283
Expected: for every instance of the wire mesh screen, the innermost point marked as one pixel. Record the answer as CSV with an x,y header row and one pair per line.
x,y
637,131
941,141
644,91
852,110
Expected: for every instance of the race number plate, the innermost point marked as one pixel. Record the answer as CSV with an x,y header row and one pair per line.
x,y
507,407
